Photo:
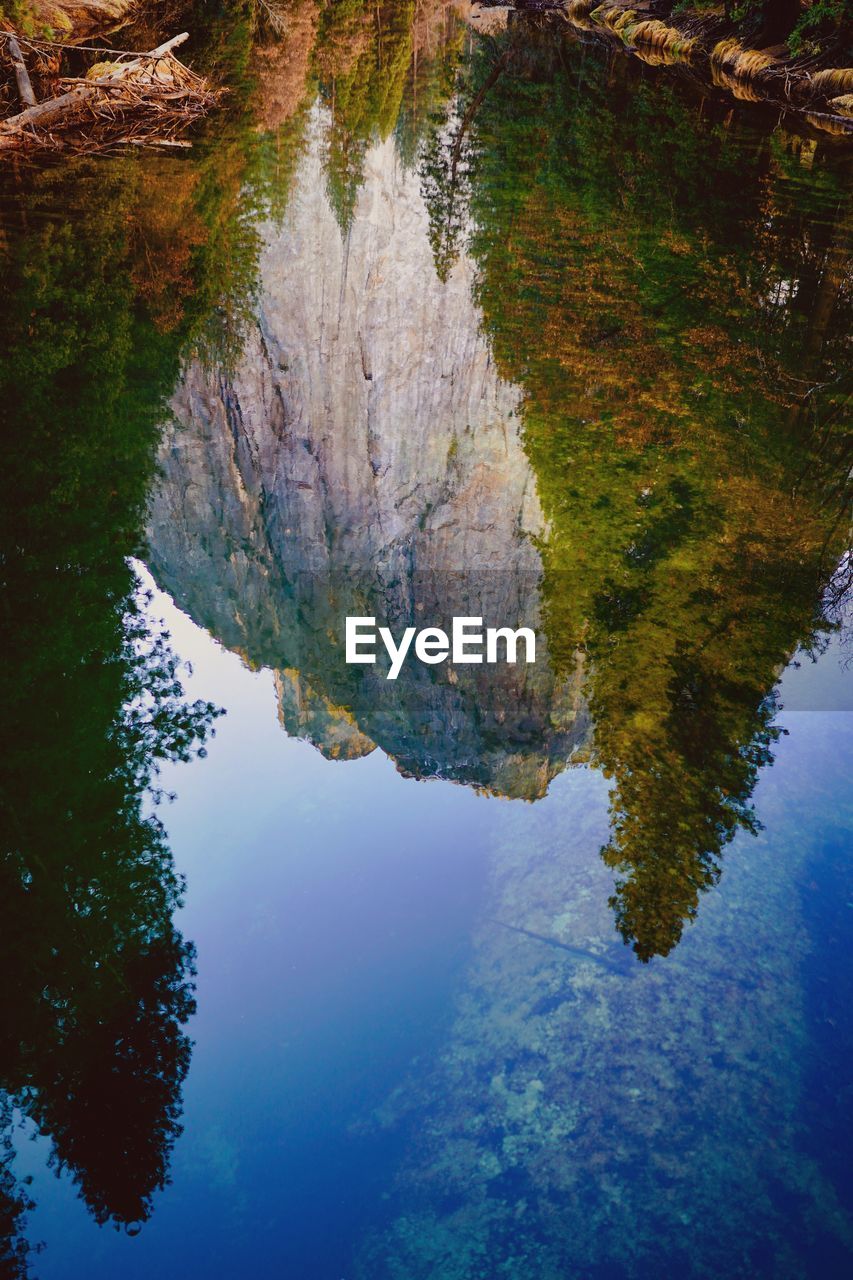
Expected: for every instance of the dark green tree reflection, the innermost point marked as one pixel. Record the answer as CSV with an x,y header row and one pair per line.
x,y
674,298
14,1205
97,982
362,56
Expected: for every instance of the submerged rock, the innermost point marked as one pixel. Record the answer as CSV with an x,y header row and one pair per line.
x,y
579,1121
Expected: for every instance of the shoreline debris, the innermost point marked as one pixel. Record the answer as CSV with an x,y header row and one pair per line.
x,y
144,99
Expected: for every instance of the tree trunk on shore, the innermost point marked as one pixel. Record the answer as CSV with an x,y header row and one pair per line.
x,y
25,88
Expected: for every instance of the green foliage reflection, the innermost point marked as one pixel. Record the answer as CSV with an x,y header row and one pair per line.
x,y
673,296
98,983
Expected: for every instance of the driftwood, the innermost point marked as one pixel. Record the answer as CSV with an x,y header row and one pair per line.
x,y
123,69
153,90
67,106
25,88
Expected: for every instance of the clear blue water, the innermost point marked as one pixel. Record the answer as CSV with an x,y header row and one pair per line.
x,y
341,914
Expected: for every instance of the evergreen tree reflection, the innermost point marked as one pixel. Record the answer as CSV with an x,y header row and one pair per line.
x,y
97,982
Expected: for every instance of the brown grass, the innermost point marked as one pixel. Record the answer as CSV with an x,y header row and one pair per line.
x,y
614,17
833,80
654,41
578,12
740,70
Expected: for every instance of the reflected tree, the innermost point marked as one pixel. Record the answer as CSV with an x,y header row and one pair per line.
x,y
14,1205
98,984
363,58
445,162
438,39
652,279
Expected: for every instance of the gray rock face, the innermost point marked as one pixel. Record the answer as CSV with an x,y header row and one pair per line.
x,y
302,713
364,458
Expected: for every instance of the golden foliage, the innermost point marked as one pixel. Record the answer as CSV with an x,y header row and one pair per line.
x,y
284,64
740,70
166,232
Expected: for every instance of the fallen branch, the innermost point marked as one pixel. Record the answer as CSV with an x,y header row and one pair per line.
x,y
122,69
156,142
44,113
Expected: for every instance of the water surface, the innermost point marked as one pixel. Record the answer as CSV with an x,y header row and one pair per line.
x,y
486,971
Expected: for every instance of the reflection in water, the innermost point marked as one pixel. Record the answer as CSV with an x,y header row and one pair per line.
x,y
97,980
364,458
450,326
383,448
576,1119
682,350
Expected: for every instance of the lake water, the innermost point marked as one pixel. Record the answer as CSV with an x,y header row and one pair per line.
x,y
527,971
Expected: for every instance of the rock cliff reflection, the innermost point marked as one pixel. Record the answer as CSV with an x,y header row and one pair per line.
x,y
564,429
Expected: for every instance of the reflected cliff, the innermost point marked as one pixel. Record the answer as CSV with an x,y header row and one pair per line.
x,y
364,457
531,370
446,325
